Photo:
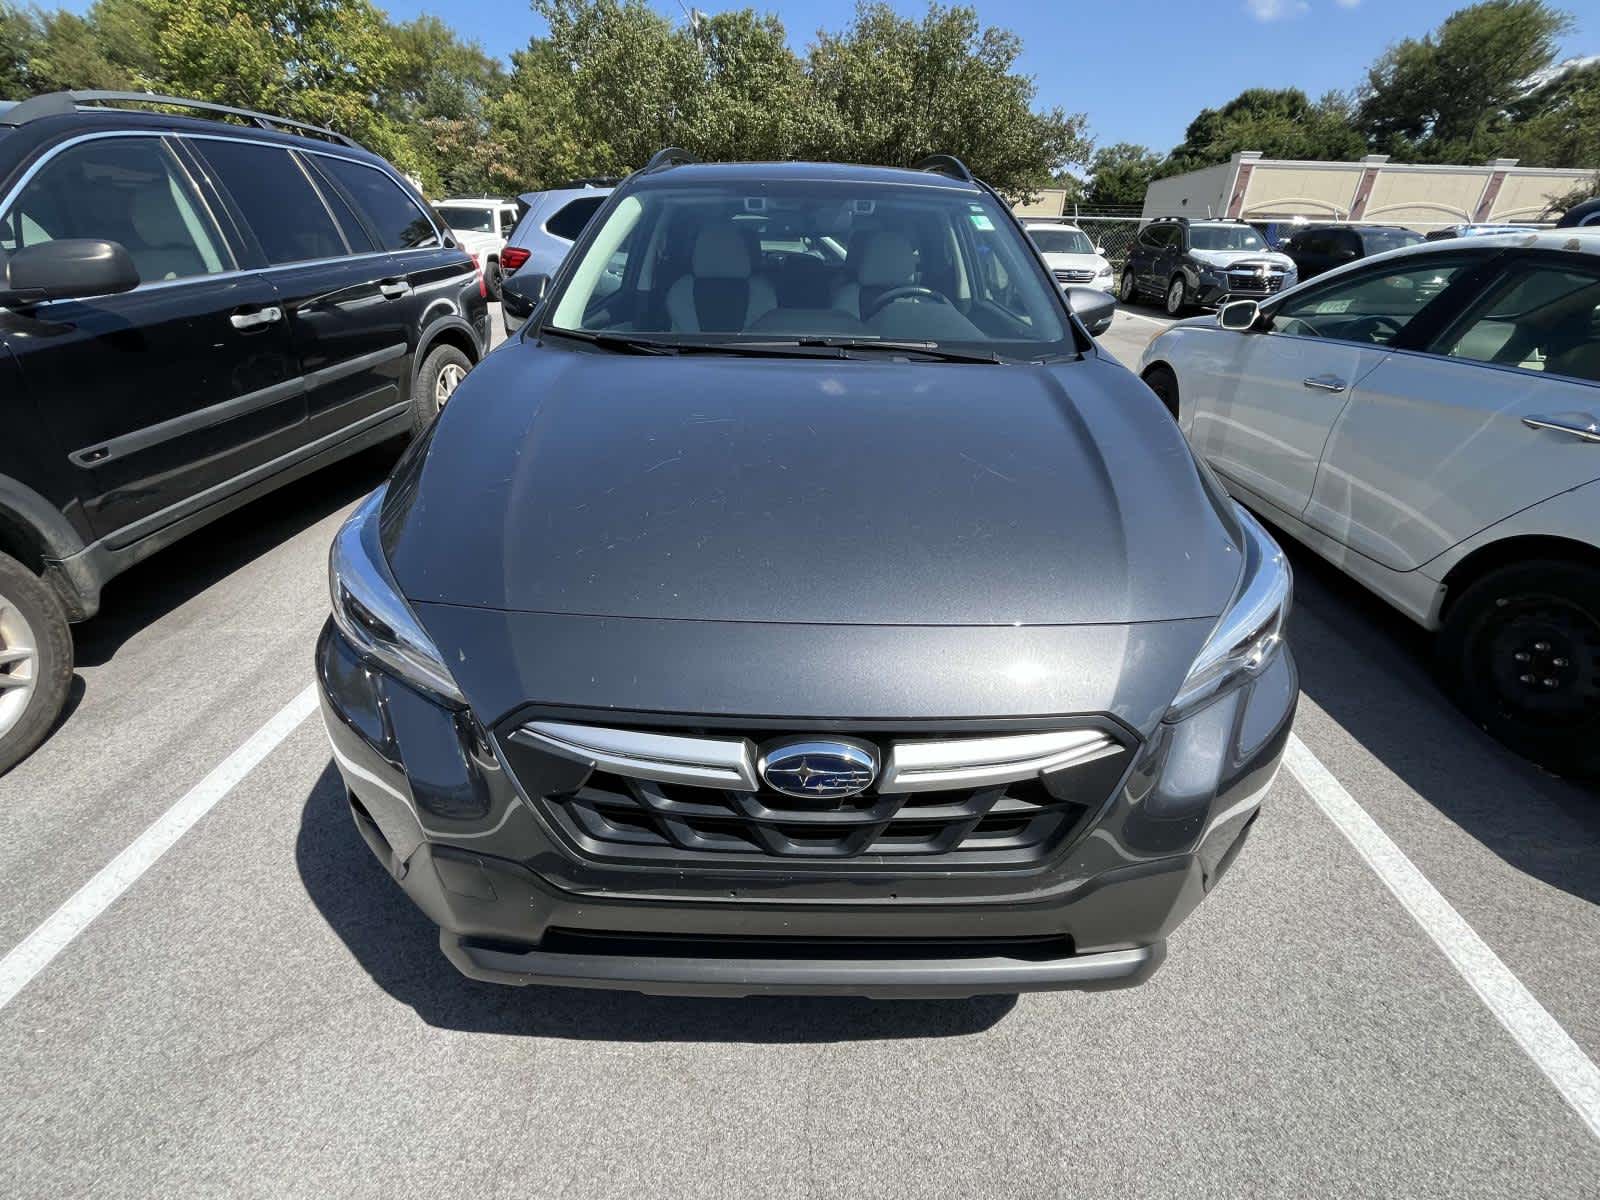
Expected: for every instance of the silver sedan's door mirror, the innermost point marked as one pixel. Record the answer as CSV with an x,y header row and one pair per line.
x,y
1239,315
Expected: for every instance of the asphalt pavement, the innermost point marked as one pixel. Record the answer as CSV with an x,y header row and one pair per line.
x,y
1373,1003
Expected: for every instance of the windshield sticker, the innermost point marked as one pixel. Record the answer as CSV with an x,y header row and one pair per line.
x,y
982,222
1329,307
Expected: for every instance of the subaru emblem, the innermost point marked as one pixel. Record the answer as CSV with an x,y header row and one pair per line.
x,y
819,770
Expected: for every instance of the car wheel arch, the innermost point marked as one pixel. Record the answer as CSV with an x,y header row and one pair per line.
x,y
1509,552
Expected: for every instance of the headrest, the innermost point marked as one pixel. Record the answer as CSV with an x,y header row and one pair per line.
x,y
156,219
887,261
720,253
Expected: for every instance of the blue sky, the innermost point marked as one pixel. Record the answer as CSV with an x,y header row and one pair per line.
x,y
1141,69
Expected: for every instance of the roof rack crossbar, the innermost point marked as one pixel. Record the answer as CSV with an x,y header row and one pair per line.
x,y
671,156
946,164
55,103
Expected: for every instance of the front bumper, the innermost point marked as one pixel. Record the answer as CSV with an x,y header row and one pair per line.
x,y
517,904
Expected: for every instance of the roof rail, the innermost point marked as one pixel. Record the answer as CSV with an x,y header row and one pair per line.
x,y
946,164
56,103
672,156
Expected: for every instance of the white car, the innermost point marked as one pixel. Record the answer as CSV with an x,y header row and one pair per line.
x,y
1428,420
1072,257
481,225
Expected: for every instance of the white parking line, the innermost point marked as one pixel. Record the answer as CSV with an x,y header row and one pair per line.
x,y
34,952
1538,1033
1138,316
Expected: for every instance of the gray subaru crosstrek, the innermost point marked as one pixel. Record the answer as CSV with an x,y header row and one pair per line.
x,y
818,611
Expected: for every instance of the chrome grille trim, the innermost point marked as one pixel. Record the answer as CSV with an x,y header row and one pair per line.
x,y
663,757
911,766
988,761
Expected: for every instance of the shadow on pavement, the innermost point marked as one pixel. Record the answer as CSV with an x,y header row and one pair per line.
x,y
162,582
1368,668
399,948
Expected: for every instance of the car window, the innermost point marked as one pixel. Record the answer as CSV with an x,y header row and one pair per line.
x,y
1152,236
1370,309
398,220
277,200
1379,240
468,220
1225,237
569,221
1061,241
129,190
1539,318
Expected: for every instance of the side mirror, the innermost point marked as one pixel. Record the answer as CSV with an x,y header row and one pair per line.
x,y
1100,250
66,269
1093,307
521,294
1239,315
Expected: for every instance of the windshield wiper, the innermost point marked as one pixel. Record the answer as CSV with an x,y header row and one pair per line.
x,y
624,343
927,349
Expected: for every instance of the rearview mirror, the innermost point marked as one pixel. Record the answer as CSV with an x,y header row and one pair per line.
x,y
66,269
1239,315
1093,307
521,294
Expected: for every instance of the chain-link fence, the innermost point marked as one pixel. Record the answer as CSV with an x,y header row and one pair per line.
x,y
1112,235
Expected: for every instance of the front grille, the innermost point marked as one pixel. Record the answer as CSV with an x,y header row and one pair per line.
x,y
1073,276
612,813
1242,282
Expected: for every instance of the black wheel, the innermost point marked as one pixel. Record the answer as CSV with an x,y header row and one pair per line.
x,y
35,661
491,279
1164,384
441,373
1177,296
1127,291
1520,652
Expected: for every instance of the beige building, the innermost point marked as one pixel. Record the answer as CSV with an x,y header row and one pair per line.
x,y
1419,195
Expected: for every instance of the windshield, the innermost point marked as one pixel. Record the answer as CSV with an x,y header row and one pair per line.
x,y
1061,241
1379,240
1225,237
766,261
468,220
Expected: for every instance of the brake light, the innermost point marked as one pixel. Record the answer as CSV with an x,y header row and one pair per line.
x,y
512,257
483,288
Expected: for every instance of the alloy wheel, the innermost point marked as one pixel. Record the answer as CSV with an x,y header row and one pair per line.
x,y
448,380
19,664
1175,298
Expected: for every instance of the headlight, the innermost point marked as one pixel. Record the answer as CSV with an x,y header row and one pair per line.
x,y
1251,630
371,613
1103,272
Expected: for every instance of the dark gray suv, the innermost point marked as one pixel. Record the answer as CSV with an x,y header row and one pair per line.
x,y
1188,264
818,610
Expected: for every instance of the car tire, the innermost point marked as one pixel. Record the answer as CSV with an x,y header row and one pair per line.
x,y
441,373
1520,653
1160,380
1177,297
1127,291
35,661
491,279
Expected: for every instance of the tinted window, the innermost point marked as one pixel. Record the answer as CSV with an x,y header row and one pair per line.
x,y
1541,318
398,220
569,222
1061,241
1225,237
1371,309
1379,240
468,220
127,189
281,207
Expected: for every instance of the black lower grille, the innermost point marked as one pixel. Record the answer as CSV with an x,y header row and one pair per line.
x,y
1253,284
617,816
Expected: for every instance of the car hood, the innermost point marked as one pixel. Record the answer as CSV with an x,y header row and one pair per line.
x,y
1229,258
1075,262
809,491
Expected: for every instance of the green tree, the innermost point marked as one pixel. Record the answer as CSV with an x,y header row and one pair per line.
x,y
1445,97
1279,122
899,89
18,34
1120,174
1557,124
439,95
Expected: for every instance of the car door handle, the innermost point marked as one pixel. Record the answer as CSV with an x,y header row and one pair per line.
x,y
394,289
1576,425
257,318
1325,383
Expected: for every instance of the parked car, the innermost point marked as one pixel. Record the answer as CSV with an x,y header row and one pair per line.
x,y
1069,253
896,645
1428,420
480,226
1586,213
551,222
192,313
1461,231
1319,248
1191,263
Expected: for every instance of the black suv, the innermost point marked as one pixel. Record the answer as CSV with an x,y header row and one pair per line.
x,y
1319,248
1191,264
192,312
